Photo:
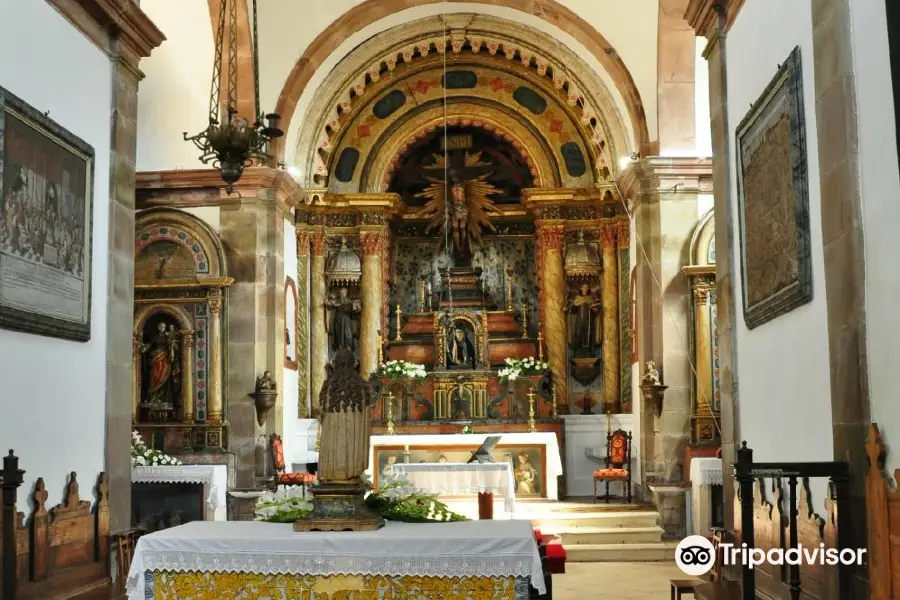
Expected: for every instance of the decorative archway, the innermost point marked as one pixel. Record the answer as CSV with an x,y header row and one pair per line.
x,y
189,242
453,36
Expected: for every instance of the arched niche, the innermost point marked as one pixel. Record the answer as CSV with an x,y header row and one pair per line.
x,y
485,92
704,342
179,296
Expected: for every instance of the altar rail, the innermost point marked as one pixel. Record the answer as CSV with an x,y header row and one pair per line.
x,y
785,520
58,553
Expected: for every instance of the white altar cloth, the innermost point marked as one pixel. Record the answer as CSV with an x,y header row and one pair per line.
x,y
469,548
461,478
214,479
543,438
706,471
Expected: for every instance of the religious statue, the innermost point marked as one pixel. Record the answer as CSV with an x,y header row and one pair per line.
x,y
467,210
460,400
526,475
460,351
161,365
342,326
387,473
651,376
265,382
584,321
344,401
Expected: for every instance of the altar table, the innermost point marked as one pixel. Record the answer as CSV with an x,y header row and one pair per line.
x,y
461,478
547,439
470,560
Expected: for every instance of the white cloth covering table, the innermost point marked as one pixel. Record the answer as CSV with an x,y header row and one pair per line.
x,y
461,478
705,473
214,479
444,550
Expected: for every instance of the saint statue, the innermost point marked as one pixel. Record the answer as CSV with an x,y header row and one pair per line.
x,y
526,475
584,321
345,400
461,216
161,365
460,400
265,382
461,351
342,324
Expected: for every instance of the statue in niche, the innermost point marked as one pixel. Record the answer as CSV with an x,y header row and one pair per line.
x,y
342,326
265,382
161,363
460,350
584,321
460,400
526,475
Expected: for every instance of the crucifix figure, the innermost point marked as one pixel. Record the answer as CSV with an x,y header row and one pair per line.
x,y
467,210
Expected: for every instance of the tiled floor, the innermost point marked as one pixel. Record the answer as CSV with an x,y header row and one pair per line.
x,y
615,581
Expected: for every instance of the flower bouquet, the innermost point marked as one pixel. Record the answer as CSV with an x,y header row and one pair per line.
x,y
142,456
401,370
285,505
398,501
518,367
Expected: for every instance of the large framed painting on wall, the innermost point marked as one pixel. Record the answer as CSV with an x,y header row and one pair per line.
x,y
46,183
773,199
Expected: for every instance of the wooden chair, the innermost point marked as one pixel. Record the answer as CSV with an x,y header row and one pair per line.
x,y
281,477
689,586
618,464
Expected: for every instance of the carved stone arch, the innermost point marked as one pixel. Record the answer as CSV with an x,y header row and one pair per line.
x,y
196,238
531,50
176,312
703,240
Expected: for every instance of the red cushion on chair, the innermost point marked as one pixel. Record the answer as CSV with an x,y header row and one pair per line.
x,y
611,474
278,452
618,448
555,559
539,536
296,478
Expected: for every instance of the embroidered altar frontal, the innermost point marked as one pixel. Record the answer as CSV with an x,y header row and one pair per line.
x,y
245,560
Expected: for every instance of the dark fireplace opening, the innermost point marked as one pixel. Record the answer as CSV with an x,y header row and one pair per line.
x,y
893,25
156,506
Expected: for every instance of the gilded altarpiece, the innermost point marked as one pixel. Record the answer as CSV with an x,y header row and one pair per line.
x,y
180,290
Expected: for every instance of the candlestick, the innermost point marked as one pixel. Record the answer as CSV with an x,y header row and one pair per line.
x,y
430,296
399,313
509,294
540,344
555,409
524,321
381,342
389,398
422,294
532,427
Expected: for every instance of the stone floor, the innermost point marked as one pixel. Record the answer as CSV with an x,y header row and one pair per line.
x,y
615,581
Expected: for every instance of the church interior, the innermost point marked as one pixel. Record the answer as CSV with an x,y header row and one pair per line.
x,y
365,265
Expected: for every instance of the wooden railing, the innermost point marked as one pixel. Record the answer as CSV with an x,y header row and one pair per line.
x,y
788,522
883,514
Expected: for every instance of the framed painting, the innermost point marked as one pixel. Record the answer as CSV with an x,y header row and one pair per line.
x,y
773,199
46,183
290,324
529,463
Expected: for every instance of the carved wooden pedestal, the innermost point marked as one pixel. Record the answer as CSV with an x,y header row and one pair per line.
x,y
340,507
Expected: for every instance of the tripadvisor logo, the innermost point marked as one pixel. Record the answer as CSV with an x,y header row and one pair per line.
x,y
696,556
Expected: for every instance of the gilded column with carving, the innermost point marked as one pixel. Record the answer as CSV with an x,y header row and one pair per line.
x,y
137,344
214,406
623,235
702,349
609,290
302,324
318,353
372,242
551,238
187,375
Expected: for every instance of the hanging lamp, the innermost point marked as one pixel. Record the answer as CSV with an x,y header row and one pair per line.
x,y
230,143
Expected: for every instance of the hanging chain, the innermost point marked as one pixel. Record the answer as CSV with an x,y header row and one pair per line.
x,y
215,86
447,209
232,56
258,114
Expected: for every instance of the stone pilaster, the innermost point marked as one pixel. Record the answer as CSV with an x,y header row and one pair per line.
x,y
303,408
609,290
551,238
372,294
318,352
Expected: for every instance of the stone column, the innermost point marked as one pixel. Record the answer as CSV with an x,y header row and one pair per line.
x,y
303,323
214,406
609,290
372,242
702,349
187,375
551,238
319,347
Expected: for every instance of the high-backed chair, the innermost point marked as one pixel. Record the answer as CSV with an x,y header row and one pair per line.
x,y
618,464
281,477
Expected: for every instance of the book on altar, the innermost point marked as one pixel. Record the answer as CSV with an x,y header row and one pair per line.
x,y
483,454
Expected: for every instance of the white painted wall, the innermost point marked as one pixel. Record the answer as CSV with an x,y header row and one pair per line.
x,y
174,96
701,101
208,214
880,191
782,366
56,421
289,391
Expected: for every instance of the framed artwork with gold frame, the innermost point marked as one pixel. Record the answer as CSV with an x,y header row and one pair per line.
x,y
529,462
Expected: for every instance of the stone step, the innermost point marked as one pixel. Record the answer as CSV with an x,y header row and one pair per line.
x,y
657,552
568,521
607,535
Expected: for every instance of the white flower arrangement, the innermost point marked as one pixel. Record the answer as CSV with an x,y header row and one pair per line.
x,y
285,505
142,456
400,369
517,367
